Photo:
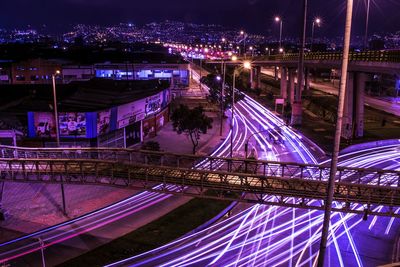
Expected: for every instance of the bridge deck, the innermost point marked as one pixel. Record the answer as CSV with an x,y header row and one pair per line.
x,y
276,183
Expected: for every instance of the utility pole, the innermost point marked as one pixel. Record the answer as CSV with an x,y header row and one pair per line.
x,y
297,110
233,111
367,25
338,132
58,134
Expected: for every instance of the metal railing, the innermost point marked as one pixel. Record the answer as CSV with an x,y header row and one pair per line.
x,y
392,56
267,182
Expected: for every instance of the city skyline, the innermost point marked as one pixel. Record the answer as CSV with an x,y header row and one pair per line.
x,y
252,15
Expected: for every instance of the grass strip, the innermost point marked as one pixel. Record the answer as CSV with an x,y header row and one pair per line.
x,y
157,233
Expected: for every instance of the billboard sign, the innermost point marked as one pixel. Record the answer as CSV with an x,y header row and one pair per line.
x,y
130,113
72,124
45,124
103,121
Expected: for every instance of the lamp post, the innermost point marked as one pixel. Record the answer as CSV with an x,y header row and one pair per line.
x,y
221,112
316,21
246,65
233,111
297,109
223,71
252,51
53,76
268,51
244,42
335,154
41,243
279,20
246,145
367,25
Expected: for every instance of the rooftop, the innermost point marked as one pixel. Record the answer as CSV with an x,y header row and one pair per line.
x,y
93,95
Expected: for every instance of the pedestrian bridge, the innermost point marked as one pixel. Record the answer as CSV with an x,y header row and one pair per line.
x,y
266,182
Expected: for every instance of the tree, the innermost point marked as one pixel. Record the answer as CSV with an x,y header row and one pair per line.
x,y
192,122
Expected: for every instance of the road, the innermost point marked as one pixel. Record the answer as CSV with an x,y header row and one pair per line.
x,y
386,106
76,236
256,235
262,235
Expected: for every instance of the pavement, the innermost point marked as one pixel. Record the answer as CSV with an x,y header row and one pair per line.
x,y
31,207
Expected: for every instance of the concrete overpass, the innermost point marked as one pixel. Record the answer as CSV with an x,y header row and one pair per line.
x,y
361,67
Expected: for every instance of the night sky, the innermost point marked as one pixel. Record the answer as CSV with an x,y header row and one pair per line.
x,y
252,15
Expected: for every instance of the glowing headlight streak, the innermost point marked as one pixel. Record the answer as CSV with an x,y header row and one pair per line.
x,y
340,228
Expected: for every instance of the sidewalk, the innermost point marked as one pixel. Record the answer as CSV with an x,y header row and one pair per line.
x,y
171,141
32,207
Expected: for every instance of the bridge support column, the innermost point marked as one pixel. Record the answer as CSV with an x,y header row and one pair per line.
x,y
255,77
284,85
353,120
347,131
276,73
361,79
291,85
298,89
306,80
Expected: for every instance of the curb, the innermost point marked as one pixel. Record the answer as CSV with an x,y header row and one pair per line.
x,y
372,144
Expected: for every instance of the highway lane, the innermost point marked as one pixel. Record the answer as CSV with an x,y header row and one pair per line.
x,y
65,238
251,117
291,146
389,107
262,235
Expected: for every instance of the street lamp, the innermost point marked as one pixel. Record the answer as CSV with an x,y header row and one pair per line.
x,y
53,77
244,42
280,21
251,48
316,21
246,145
246,65
268,51
41,243
223,41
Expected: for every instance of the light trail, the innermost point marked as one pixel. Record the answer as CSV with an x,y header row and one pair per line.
x,y
272,236
25,245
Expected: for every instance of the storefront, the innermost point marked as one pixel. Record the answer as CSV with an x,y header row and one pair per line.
x,y
121,126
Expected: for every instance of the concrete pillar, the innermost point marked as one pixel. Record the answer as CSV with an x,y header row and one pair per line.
x,y
291,85
359,92
347,127
276,73
307,80
297,111
255,77
284,83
